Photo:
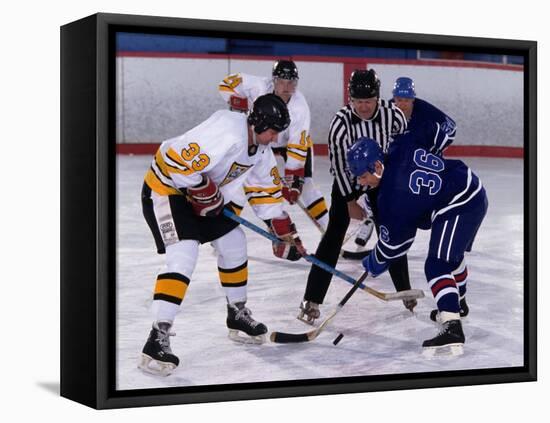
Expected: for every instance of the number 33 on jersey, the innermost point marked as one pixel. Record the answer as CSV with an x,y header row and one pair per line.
x,y
218,148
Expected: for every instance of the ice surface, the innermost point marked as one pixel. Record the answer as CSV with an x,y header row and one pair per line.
x,y
380,338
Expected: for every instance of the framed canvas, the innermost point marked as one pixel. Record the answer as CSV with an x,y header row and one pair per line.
x,y
128,83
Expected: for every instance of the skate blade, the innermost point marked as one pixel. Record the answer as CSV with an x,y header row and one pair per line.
x,y
306,319
154,367
439,321
450,350
243,338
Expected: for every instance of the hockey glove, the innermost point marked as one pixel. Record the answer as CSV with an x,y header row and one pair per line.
x,y
206,199
239,104
290,247
293,184
373,266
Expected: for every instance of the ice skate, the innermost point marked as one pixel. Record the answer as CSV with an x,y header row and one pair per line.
x,y
364,234
309,311
361,239
449,341
156,357
242,327
464,310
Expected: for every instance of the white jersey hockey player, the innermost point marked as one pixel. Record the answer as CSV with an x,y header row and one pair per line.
x,y
191,179
294,144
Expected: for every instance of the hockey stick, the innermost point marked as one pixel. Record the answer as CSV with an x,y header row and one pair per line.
x,y
354,255
313,220
322,230
318,225
385,296
351,234
287,338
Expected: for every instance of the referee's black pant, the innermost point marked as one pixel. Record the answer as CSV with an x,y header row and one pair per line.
x,y
330,245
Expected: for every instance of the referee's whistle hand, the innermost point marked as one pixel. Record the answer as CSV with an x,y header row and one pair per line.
x,y
355,210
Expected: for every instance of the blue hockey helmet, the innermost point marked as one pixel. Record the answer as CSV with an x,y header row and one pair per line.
x,y
363,155
404,87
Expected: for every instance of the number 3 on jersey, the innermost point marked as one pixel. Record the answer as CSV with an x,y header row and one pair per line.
x,y
427,176
189,154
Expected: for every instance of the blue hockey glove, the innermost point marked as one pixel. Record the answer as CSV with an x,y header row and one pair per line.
x,y
373,266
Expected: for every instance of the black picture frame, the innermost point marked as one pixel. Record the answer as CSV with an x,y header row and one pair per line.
x,y
88,203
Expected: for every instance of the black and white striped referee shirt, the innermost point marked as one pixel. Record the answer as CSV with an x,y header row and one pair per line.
x,y
346,127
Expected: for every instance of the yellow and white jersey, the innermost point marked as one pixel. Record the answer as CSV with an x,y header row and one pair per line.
x,y
296,137
218,148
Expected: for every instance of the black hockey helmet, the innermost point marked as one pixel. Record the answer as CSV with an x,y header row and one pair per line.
x,y
285,69
364,83
269,112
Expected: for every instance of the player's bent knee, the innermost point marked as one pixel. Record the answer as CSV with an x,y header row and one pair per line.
x,y
231,248
434,267
182,256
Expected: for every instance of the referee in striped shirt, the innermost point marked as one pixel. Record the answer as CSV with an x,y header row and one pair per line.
x,y
365,116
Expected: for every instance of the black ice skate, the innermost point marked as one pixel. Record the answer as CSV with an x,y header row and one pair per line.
x,y
449,341
157,357
464,310
361,239
365,232
240,323
309,311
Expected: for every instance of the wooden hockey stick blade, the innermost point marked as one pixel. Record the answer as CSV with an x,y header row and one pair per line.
x,y
312,334
294,338
409,294
291,338
355,255
288,338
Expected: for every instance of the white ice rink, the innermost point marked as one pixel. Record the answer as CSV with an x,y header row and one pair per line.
x,y
380,338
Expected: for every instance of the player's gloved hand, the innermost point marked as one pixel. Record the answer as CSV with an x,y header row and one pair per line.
x,y
293,184
205,198
373,266
239,104
290,247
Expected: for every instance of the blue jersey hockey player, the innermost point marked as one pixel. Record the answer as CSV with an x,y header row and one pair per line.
x,y
419,113
421,190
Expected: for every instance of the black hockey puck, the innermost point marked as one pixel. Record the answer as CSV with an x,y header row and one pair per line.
x,y
338,339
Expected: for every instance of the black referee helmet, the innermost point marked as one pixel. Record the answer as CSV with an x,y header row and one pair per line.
x,y
364,83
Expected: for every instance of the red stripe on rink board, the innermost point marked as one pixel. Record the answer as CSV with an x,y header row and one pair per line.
x,y
322,150
484,151
354,61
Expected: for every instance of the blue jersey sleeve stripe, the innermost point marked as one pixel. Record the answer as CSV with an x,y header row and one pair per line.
x,y
452,206
393,253
468,183
395,247
391,257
